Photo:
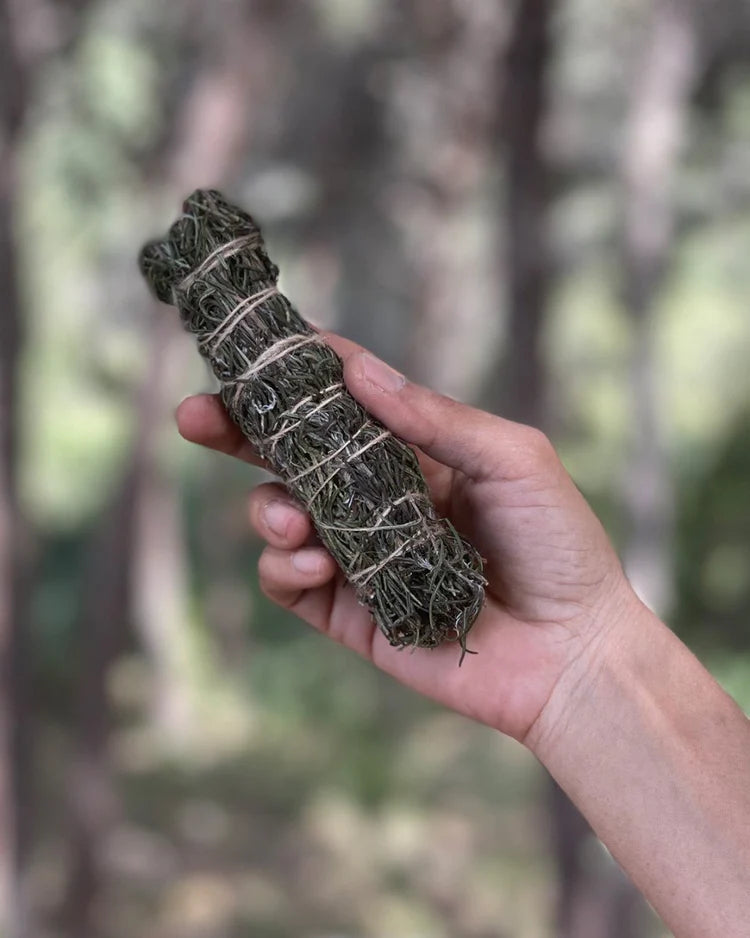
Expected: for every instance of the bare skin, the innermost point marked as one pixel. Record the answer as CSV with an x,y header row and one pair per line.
x,y
569,661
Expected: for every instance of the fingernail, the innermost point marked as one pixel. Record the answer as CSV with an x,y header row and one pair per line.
x,y
276,515
306,561
380,374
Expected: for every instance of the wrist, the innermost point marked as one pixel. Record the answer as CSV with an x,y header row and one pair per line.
x,y
623,630
657,757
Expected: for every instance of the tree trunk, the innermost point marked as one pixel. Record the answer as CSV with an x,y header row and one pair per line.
x,y
595,898
159,584
652,146
105,621
527,186
444,162
14,790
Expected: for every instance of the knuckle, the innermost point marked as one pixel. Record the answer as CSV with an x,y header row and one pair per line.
x,y
438,412
266,589
538,445
272,593
267,568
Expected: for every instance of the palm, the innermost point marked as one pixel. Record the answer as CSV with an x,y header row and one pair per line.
x,y
521,634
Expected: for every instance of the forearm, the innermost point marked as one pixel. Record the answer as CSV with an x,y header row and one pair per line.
x,y
657,757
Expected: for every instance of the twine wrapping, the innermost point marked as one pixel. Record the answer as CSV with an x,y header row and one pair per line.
x,y
283,386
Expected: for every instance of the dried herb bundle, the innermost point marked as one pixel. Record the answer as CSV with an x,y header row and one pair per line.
x,y
283,386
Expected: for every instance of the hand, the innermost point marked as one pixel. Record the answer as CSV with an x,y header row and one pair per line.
x,y
556,588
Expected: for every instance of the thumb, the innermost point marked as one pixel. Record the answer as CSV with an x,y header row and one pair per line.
x,y
462,437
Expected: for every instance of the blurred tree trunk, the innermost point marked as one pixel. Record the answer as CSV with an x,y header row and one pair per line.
x,y
445,104
653,139
528,260
106,623
29,34
92,802
159,584
14,789
594,896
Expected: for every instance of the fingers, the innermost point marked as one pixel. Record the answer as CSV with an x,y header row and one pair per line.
x,y
477,443
437,474
293,569
342,346
285,575
277,518
298,574
202,419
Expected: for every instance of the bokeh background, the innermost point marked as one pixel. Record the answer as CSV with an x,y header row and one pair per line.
x,y
540,206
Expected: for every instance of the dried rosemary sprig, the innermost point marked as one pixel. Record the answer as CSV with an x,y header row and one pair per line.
x,y
283,386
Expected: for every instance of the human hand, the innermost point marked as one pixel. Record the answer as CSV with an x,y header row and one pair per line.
x,y
555,591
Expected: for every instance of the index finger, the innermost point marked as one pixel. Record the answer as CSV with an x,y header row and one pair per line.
x,y
434,471
203,419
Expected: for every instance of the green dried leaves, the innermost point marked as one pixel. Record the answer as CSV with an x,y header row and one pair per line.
x,y
284,388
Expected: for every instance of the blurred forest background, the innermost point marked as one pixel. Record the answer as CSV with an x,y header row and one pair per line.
x,y
541,206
